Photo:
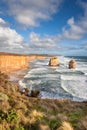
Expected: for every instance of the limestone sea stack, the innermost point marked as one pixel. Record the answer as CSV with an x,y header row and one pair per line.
x,y
72,64
54,61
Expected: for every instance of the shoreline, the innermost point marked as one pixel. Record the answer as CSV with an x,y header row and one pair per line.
x,y
19,111
16,76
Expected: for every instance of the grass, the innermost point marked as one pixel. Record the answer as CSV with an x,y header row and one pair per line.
x,y
65,126
75,116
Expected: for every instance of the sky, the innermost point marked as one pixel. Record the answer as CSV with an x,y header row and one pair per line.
x,y
44,27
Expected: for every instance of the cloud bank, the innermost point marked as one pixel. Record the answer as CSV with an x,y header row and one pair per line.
x,y
9,38
48,42
31,12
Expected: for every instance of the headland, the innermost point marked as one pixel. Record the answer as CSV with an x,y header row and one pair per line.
x,y
20,112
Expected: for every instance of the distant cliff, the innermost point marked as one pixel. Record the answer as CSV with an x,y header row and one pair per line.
x,y
12,62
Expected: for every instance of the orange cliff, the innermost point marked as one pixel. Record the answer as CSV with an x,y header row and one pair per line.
x,y
12,62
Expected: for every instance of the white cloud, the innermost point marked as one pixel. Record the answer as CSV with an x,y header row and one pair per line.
x,y
48,42
31,12
9,38
76,30
71,21
11,41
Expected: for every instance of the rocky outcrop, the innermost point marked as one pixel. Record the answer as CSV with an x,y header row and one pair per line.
x,y
32,93
72,64
54,61
13,62
35,93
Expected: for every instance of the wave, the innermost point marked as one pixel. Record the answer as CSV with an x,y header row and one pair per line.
x,y
58,82
21,85
39,63
85,73
44,76
75,85
38,70
51,95
69,71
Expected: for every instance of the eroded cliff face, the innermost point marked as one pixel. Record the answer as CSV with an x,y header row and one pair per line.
x,y
12,62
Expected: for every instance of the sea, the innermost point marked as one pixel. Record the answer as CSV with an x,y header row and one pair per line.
x,y
58,82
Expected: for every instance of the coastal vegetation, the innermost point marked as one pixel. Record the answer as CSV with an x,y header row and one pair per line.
x,y
20,112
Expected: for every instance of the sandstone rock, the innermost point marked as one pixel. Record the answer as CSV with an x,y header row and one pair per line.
x,y
35,93
12,62
72,64
54,61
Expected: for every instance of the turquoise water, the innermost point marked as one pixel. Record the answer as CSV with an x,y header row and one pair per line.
x,y
58,82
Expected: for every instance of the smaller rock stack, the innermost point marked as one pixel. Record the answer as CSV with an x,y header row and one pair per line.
x,y
72,64
54,61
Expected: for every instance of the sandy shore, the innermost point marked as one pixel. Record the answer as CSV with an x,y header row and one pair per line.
x,y
16,76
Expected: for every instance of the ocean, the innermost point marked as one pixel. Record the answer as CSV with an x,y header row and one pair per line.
x,y
58,82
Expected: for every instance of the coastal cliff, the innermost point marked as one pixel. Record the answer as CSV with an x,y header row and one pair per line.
x,y
21,112
13,62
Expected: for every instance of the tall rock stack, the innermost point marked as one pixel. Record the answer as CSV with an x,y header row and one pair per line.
x,y
54,61
72,64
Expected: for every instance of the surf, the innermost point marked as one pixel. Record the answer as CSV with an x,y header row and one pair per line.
x,y
58,82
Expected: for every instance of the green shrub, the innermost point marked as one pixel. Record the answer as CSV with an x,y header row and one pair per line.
x,y
19,128
74,117
12,116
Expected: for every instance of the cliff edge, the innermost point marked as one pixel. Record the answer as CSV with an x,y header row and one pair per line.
x,y
12,62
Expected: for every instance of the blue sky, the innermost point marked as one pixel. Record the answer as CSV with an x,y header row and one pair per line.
x,y
44,26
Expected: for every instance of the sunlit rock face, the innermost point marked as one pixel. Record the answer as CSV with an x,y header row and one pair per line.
x,y
72,64
54,61
13,62
10,63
